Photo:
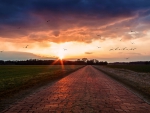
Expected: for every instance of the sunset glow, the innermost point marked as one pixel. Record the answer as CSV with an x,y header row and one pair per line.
x,y
61,54
75,29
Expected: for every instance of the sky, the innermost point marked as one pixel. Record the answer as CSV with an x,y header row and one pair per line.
x,y
107,30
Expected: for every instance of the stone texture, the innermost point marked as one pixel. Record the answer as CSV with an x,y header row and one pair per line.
x,y
84,91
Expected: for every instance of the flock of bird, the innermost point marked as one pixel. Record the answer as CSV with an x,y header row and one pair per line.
x,y
112,49
125,48
122,49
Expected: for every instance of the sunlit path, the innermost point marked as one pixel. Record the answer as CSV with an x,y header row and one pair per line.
x,y
84,91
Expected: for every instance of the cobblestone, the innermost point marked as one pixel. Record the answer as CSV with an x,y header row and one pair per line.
x,y
84,91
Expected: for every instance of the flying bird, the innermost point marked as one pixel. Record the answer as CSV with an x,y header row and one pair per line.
x,y
133,31
1,51
98,47
116,48
110,49
127,58
134,48
124,48
26,46
64,49
100,37
131,49
48,20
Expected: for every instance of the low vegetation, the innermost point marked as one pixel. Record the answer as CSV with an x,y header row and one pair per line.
x,y
138,81
15,78
137,68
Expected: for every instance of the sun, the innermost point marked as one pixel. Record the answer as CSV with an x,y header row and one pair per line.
x,y
61,55
61,52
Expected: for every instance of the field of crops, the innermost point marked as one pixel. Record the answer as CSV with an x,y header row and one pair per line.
x,y
137,68
14,78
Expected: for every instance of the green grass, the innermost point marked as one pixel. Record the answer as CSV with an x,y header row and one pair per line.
x,y
14,78
137,68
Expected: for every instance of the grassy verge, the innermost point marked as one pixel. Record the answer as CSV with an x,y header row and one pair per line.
x,y
139,84
137,68
17,79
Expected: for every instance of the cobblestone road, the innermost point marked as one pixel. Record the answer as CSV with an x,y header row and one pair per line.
x,y
84,91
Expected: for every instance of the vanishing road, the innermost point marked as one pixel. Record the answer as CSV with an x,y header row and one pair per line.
x,y
84,91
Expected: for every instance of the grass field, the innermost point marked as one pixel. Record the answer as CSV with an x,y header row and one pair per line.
x,y
137,68
14,78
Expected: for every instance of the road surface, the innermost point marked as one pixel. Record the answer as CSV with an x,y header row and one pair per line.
x,y
85,91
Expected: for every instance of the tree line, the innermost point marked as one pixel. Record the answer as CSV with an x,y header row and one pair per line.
x,y
53,62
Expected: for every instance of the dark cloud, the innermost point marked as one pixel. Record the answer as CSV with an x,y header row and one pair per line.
x,y
56,33
83,7
54,16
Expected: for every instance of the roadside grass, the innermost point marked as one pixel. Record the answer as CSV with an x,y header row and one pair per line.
x,y
16,78
136,81
137,68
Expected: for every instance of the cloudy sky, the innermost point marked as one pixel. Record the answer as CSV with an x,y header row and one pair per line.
x,y
110,30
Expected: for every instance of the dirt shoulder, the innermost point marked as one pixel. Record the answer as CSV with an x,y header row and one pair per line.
x,y
138,83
